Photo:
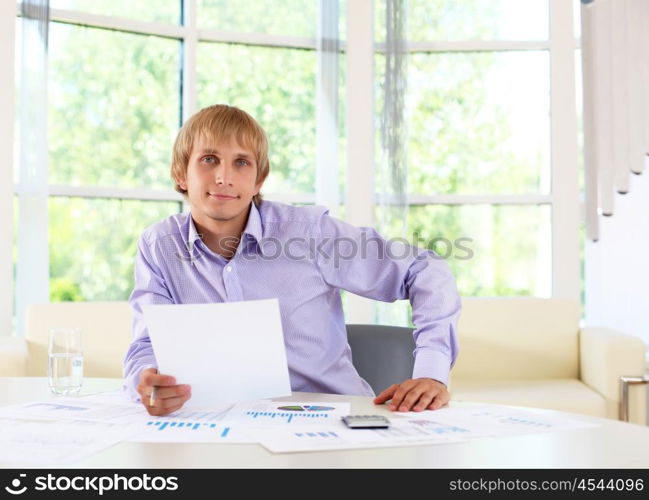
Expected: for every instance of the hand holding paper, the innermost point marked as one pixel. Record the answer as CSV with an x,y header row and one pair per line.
x,y
160,394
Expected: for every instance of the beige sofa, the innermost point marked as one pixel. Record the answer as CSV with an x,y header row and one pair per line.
x,y
106,328
519,351
531,352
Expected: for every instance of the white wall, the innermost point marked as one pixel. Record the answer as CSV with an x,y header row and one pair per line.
x,y
617,266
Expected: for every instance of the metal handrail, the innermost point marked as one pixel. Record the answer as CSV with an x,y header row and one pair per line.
x,y
625,382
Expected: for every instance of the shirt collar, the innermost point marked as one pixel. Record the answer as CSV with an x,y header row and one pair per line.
x,y
193,235
253,228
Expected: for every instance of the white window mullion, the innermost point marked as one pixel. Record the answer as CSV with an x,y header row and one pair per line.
x,y
260,39
471,46
117,23
190,47
143,194
7,100
563,123
360,131
477,199
32,273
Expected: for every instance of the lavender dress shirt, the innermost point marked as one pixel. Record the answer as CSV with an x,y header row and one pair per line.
x,y
303,257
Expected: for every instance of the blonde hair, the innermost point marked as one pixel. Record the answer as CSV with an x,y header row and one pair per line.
x,y
220,122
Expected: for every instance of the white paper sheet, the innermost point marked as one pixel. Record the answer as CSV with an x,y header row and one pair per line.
x,y
336,436
497,420
42,442
75,409
117,399
227,352
430,427
199,425
279,413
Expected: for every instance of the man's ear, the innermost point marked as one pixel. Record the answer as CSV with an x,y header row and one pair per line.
x,y
259,185
182,182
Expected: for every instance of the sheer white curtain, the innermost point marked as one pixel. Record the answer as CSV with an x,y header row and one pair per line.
x,y
32,273
392,168
328,50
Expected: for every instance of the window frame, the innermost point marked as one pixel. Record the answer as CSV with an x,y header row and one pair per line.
x,y
189,35
8,11
564,196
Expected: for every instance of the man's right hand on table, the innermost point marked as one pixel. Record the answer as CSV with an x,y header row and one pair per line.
x,y
169,397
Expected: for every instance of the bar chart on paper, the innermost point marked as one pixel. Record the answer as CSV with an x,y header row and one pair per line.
x,y
309,408
187,427
201,415
188,431
337,437
493,420
273,413
410,430
316,435
285,417
420,429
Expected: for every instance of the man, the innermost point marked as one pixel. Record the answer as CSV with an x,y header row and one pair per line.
x,y
234,246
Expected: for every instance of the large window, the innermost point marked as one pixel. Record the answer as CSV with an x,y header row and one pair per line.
x,y
479,154
114,108
123,76
277,87
484,114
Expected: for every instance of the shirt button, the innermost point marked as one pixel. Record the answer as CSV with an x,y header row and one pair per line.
x,y
229,269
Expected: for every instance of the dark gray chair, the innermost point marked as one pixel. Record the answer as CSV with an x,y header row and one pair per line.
x,y
381,354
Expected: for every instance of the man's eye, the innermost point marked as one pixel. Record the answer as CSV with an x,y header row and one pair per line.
x,y
242,162
209,159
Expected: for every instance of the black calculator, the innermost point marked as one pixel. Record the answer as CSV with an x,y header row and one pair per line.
x,y
366,422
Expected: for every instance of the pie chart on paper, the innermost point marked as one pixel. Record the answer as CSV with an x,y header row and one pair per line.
x,y
305,408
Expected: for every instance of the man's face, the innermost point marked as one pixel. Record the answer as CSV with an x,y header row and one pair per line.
x,y
220,180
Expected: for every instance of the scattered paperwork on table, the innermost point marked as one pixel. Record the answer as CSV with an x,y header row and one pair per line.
x,y
66,429
338,437
53,442
496,420
243,423
78,408
429,427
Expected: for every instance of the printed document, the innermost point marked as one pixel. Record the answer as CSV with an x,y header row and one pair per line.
x,y
228,352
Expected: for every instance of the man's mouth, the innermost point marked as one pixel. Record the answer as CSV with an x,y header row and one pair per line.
x,y
222,197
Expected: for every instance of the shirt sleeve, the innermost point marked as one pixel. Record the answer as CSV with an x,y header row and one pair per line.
x,y
149,288
360,260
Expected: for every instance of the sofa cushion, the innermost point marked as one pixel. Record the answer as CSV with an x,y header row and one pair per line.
x,y
518,338
569,395
106,334
13,357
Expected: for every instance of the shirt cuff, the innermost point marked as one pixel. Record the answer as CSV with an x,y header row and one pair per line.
x,y
432,364
131,382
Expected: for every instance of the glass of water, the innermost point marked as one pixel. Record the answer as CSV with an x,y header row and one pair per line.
x,y
65,371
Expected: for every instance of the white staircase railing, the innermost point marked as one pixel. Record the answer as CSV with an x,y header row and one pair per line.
x,y
615,62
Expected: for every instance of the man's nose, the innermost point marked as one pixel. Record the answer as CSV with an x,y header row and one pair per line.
x,y
223,175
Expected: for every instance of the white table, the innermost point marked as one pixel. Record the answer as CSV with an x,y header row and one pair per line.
x,y
614,444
